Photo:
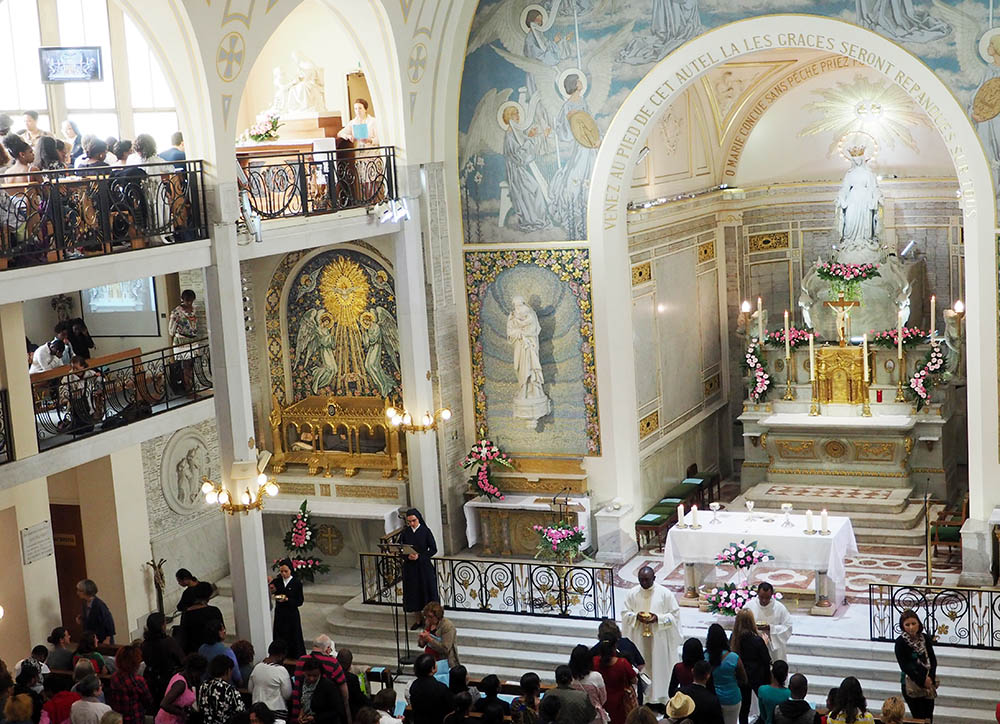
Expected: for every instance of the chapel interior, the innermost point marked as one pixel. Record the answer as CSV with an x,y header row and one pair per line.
x,y
578,263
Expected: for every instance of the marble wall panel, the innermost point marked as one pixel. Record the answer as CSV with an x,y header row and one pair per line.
x,y
677,323
644,334
708,312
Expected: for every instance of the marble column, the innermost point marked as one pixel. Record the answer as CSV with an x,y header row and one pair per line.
x,y
234,417
415,359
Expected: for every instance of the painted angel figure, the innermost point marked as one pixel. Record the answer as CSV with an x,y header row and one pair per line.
x,y
520,149
315,340
671,23
380,334
577,132
899,20
985,107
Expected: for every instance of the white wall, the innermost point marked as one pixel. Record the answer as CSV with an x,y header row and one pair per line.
x,y
317,34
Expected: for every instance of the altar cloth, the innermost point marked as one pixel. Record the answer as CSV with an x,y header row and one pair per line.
x,y
837,422
790,547
523,502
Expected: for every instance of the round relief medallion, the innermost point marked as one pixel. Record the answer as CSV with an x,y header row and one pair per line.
x,y
835,449
779,364
185,460
329,539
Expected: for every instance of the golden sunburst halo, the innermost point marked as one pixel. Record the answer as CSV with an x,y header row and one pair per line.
x,y
344,288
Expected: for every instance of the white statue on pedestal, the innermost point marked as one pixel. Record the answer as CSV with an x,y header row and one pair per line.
x,y
530,401
858,209
302,96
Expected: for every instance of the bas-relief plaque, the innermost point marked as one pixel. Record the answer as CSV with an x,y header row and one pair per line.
x,y
367,491
770,241
297,488
796,449
184,461
875,451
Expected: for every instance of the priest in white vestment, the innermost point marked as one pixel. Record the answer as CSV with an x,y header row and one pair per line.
x,y
653,609
774,623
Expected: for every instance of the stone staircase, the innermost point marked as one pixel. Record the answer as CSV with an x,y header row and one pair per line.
x,y
887,516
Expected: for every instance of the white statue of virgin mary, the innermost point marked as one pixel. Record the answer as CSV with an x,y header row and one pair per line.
x,y
530,402
858,205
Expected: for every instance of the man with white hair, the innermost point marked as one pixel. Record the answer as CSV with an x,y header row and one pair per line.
x,y
322,651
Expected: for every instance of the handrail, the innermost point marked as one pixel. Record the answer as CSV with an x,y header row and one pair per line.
x,y
526,588
108,396
6,432
73,213
956,616
283,185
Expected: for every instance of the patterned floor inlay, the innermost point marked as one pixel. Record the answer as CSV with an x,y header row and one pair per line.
x,y
819,491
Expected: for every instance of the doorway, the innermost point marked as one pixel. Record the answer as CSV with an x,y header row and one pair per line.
x,y
71,562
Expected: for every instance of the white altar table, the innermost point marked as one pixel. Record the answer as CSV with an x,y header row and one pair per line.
x,y
791,548
386,513
519,504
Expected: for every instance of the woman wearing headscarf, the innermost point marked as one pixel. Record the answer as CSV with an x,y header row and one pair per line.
x,y
287,591
419,578
917,666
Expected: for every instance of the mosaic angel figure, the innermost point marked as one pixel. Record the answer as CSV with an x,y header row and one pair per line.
x,y
380,335
315,340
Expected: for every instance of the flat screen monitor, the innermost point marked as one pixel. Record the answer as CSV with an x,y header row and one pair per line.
x,y
77,64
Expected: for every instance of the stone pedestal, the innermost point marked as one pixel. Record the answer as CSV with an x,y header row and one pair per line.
x,y
977,551
615,544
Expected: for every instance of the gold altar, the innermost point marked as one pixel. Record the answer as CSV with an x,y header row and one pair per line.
x,y
839,374
335,432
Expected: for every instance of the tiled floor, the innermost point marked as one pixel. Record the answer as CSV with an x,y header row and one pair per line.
x,y
820,491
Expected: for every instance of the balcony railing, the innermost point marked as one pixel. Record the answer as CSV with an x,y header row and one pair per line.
x,y
953,616
283,185
74,404
70,214
6,435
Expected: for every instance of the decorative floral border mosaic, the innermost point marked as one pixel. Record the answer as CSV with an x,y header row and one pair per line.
x,y
571,266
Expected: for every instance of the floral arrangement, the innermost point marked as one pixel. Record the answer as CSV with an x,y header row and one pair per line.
x,y
927,376
265,128
743,555
912,336
835,271
298,542
729,598
796,337
559,541
756,369
482,456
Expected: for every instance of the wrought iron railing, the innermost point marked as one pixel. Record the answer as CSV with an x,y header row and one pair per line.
x,y
6,434
68,214
284,185
94,400
529,588
954,616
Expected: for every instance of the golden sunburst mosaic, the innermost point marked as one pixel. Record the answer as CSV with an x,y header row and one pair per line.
x,y
344,289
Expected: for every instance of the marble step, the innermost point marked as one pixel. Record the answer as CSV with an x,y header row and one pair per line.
x,y
802,497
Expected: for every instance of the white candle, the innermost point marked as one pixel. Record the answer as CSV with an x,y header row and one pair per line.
x,y
680,513
933,314
399,461
694,516
899,335
812,360
760,321
809,520
864,353
824,520
788,346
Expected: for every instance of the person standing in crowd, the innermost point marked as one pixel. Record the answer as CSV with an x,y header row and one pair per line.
x,y
385,704
195,619
47,157
680,707
79,338
32,132
60,700
683,673
28,682
608,631
795,709
652,618
22,156
183,324
215,631
61,332
322,652
218,700
244,652
86,650
128,694
574,704
95,154
270,682
438,636
458,681
6,123
287,591
320,702
851,707
750,647
95,615
144,153
38,658
430,700
728,674
355,696
707,706
590,682
71,132
175,154
917,665
47,357
774,623
187,581
123,149
619,680
490,687
89,709
60,657
524,707
419,579
893,711
162,655
180,696
770,695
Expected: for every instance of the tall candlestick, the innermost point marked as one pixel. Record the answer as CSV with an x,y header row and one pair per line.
x,y
809,520
899,335
864,353
680,513
824,521
760,321
812,360
694,516
933,315
788,346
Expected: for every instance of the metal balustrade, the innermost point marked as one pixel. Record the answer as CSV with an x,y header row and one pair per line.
x,y
283,185
952,615
109,396
75,213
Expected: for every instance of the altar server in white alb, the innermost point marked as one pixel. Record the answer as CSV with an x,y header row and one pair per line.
x,y
774,623
652,620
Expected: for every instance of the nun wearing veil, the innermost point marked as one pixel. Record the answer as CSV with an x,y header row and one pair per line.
x,y
287,591
419,580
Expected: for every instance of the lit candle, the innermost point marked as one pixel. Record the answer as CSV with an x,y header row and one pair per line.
x,y
788,346
933,315
864,353
694,516
824,520
399,461
680,513
809,520
812,360
899,335
760,320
